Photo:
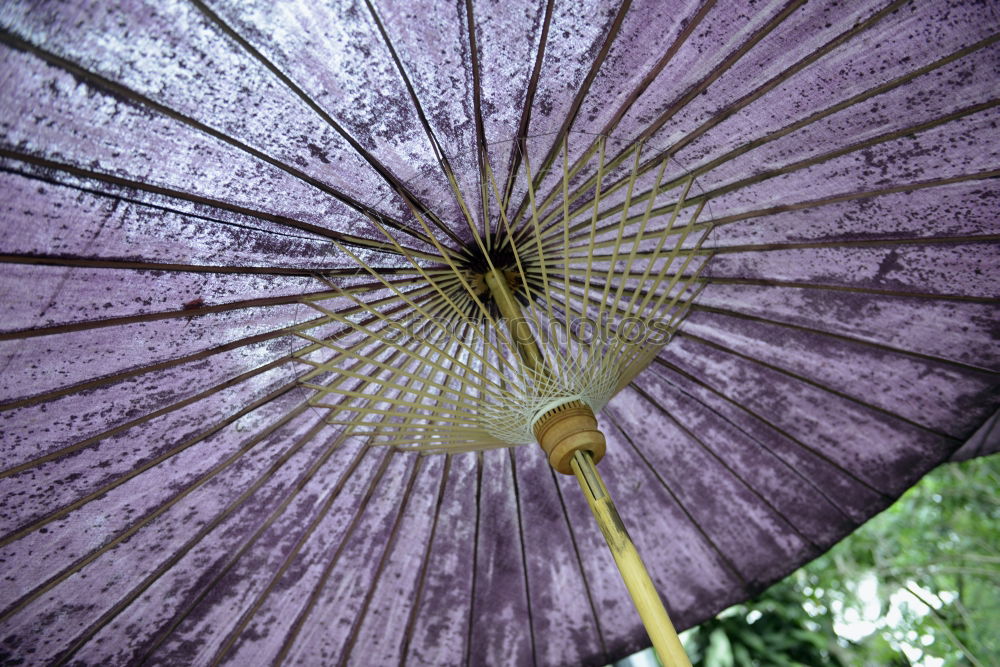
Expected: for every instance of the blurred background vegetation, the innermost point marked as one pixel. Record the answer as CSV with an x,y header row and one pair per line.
x,y
917,585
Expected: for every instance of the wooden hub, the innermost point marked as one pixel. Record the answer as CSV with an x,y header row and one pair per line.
x,y
566,429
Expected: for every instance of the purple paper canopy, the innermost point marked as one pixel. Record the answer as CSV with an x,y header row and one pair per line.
x,y
177,175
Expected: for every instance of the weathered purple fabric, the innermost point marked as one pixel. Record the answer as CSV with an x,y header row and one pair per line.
x,y
174,176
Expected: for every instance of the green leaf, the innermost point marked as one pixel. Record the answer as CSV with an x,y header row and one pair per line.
x,y
942,535
720,651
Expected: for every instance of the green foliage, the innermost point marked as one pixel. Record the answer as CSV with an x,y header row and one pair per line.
x,y
922,578
773,629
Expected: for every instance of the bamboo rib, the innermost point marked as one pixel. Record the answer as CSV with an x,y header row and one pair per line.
x,y
593,225
538,240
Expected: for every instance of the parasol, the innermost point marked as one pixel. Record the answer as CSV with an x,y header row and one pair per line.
x,y
191,187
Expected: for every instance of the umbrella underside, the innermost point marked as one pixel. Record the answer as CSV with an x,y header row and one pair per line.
x,y
431,366
192,187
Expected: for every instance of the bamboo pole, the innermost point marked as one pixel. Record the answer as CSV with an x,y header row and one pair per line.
x,y
647,601
640,587
520,331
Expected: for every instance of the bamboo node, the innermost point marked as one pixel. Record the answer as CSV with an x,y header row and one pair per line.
x,y
566,429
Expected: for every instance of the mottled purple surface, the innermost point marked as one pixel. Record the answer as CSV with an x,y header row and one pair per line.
x,y
174,174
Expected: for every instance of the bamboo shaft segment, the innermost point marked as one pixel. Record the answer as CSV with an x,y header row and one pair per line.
x,y
647,601
520,331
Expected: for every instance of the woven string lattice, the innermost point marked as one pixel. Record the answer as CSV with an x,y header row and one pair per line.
x,y
419,358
